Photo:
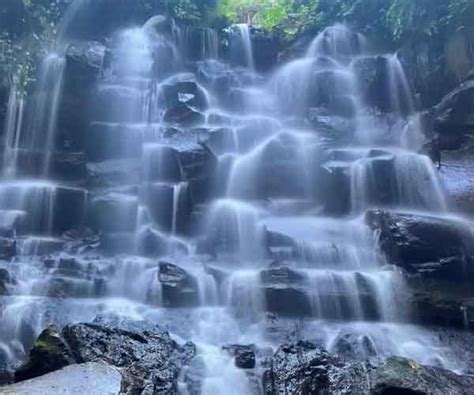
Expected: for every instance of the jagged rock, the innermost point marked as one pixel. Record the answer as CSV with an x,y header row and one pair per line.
x,y
48,354
150,362
178,287
244,355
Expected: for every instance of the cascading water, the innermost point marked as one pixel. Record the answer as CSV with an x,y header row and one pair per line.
x,y
219,198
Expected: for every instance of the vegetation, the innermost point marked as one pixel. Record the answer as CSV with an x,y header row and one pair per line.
x,y
29,26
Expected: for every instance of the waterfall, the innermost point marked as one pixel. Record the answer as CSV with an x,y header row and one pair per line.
x,y
223,204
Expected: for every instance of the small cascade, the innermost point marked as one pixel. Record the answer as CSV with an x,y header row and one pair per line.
x,y
241,45
40,131
232,226
13,127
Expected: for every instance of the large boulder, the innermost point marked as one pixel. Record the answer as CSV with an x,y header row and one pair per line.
x,y
149,362
428,245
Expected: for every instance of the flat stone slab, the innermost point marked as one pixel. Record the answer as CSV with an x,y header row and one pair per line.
x,y
88,378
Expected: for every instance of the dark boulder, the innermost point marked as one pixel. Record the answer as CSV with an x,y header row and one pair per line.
x,y
178,287
150,362
303,368
453,118
402,376
7,248
69,208
6,280
285,292
48,354
427,245
184,90
244,355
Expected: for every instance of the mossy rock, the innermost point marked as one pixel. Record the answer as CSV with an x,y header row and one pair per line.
x,y
48,354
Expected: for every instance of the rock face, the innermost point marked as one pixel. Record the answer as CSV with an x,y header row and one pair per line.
x,y
149,362
432,246
436,255
302,368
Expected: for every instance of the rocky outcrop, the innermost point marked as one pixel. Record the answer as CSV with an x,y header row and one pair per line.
x,y
436,256
431,246
303,368
149,362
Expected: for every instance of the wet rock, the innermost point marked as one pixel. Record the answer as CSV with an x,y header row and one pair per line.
x,y
83,65
454,117
300,368
5,281
244,355
7,248
152,243
183,114
12,222
354,346
112,172
198,167
426,245
69,267
150,362
403,376
117,242
374,74
48,354
184,91
69,208
113,212
107,141
178,287
68,166
303,368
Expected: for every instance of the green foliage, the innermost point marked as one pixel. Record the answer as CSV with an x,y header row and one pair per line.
x,y
28,28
